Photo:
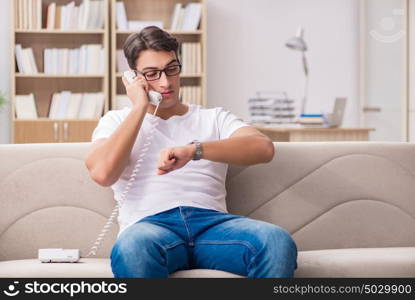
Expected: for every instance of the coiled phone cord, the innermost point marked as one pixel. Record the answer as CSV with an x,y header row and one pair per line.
x,y
93,250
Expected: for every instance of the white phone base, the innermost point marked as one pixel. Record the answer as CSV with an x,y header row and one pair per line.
x,y
50,255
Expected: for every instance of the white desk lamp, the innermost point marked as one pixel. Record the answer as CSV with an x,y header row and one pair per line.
x,y
298,43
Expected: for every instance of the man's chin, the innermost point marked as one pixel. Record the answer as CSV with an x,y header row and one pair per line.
x,y
168,102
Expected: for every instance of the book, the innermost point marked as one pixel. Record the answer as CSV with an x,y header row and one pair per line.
x,y
192,15
19,58
74,105
50,19
54,106
180,19
175,17
88,107
65,97
58,11
99,105
122,22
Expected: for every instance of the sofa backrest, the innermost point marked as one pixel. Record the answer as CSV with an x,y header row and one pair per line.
x,y
48,200
332,195
327,195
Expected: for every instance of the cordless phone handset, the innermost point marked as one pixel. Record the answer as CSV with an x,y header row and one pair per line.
x,y
153,96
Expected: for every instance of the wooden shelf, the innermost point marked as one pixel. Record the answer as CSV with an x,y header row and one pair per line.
x,y
196,32
46,76
59,31
55,120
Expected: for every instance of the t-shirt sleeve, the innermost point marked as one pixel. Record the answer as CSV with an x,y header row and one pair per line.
x,y
228,123
106,125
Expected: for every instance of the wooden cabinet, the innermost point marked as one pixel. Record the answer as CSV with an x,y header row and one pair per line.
x,y
315,134
53,131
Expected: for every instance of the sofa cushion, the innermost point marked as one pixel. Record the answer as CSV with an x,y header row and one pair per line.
x,y
85,268
357,262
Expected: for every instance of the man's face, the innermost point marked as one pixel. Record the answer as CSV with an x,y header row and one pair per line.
x,y
150,60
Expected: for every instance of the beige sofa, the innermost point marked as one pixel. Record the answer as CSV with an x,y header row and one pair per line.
x,y
349,206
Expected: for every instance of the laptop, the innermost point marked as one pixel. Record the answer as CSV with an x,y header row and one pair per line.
x,y
336,117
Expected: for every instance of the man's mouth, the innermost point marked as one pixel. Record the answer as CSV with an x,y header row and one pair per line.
x,y
167,94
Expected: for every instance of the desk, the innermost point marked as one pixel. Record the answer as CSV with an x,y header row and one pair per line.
x,y
304,134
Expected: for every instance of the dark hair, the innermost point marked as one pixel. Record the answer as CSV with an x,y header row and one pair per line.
x,y
150,37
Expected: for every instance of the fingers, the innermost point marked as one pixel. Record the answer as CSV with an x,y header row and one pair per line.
x,y
166,162
167,165
172,159
139,79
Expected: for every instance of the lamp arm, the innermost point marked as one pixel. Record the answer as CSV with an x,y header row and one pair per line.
x,y
305,65
304,102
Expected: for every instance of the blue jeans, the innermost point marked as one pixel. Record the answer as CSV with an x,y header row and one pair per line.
x,y
194,238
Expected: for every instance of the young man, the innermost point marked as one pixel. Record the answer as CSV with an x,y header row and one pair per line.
x,y
174,214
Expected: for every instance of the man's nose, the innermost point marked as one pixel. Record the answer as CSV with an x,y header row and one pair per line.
x,y
164,80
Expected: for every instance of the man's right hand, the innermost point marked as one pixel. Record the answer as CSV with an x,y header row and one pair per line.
x,y
137,91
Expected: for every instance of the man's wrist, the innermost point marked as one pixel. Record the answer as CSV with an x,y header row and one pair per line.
x,y
197,151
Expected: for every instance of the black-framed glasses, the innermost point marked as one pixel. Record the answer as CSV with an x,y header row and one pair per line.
x,y
156,73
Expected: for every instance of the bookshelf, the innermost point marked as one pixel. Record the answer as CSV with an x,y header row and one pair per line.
x,y
32,32
35,33
193,84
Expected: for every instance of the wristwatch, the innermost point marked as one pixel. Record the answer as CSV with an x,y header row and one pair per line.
x,y
199,151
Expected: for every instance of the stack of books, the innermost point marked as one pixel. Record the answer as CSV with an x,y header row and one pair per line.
x,y
89,59
186,17
68,105
89,15
191,94
25,58
271,110
28,14
311,120
25,107
191,57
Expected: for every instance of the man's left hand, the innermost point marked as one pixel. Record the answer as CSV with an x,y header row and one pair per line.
x,y
174,158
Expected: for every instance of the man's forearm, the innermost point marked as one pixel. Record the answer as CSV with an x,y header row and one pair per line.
x,y
246,150
108,160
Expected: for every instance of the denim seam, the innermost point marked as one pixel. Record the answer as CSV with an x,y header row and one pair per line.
x,y
244,243
189,234
175,244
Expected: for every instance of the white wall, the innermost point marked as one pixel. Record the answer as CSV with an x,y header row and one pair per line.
x,y
246,52
5,69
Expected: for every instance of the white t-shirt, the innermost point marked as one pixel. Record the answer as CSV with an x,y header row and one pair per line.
x,y
199,183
